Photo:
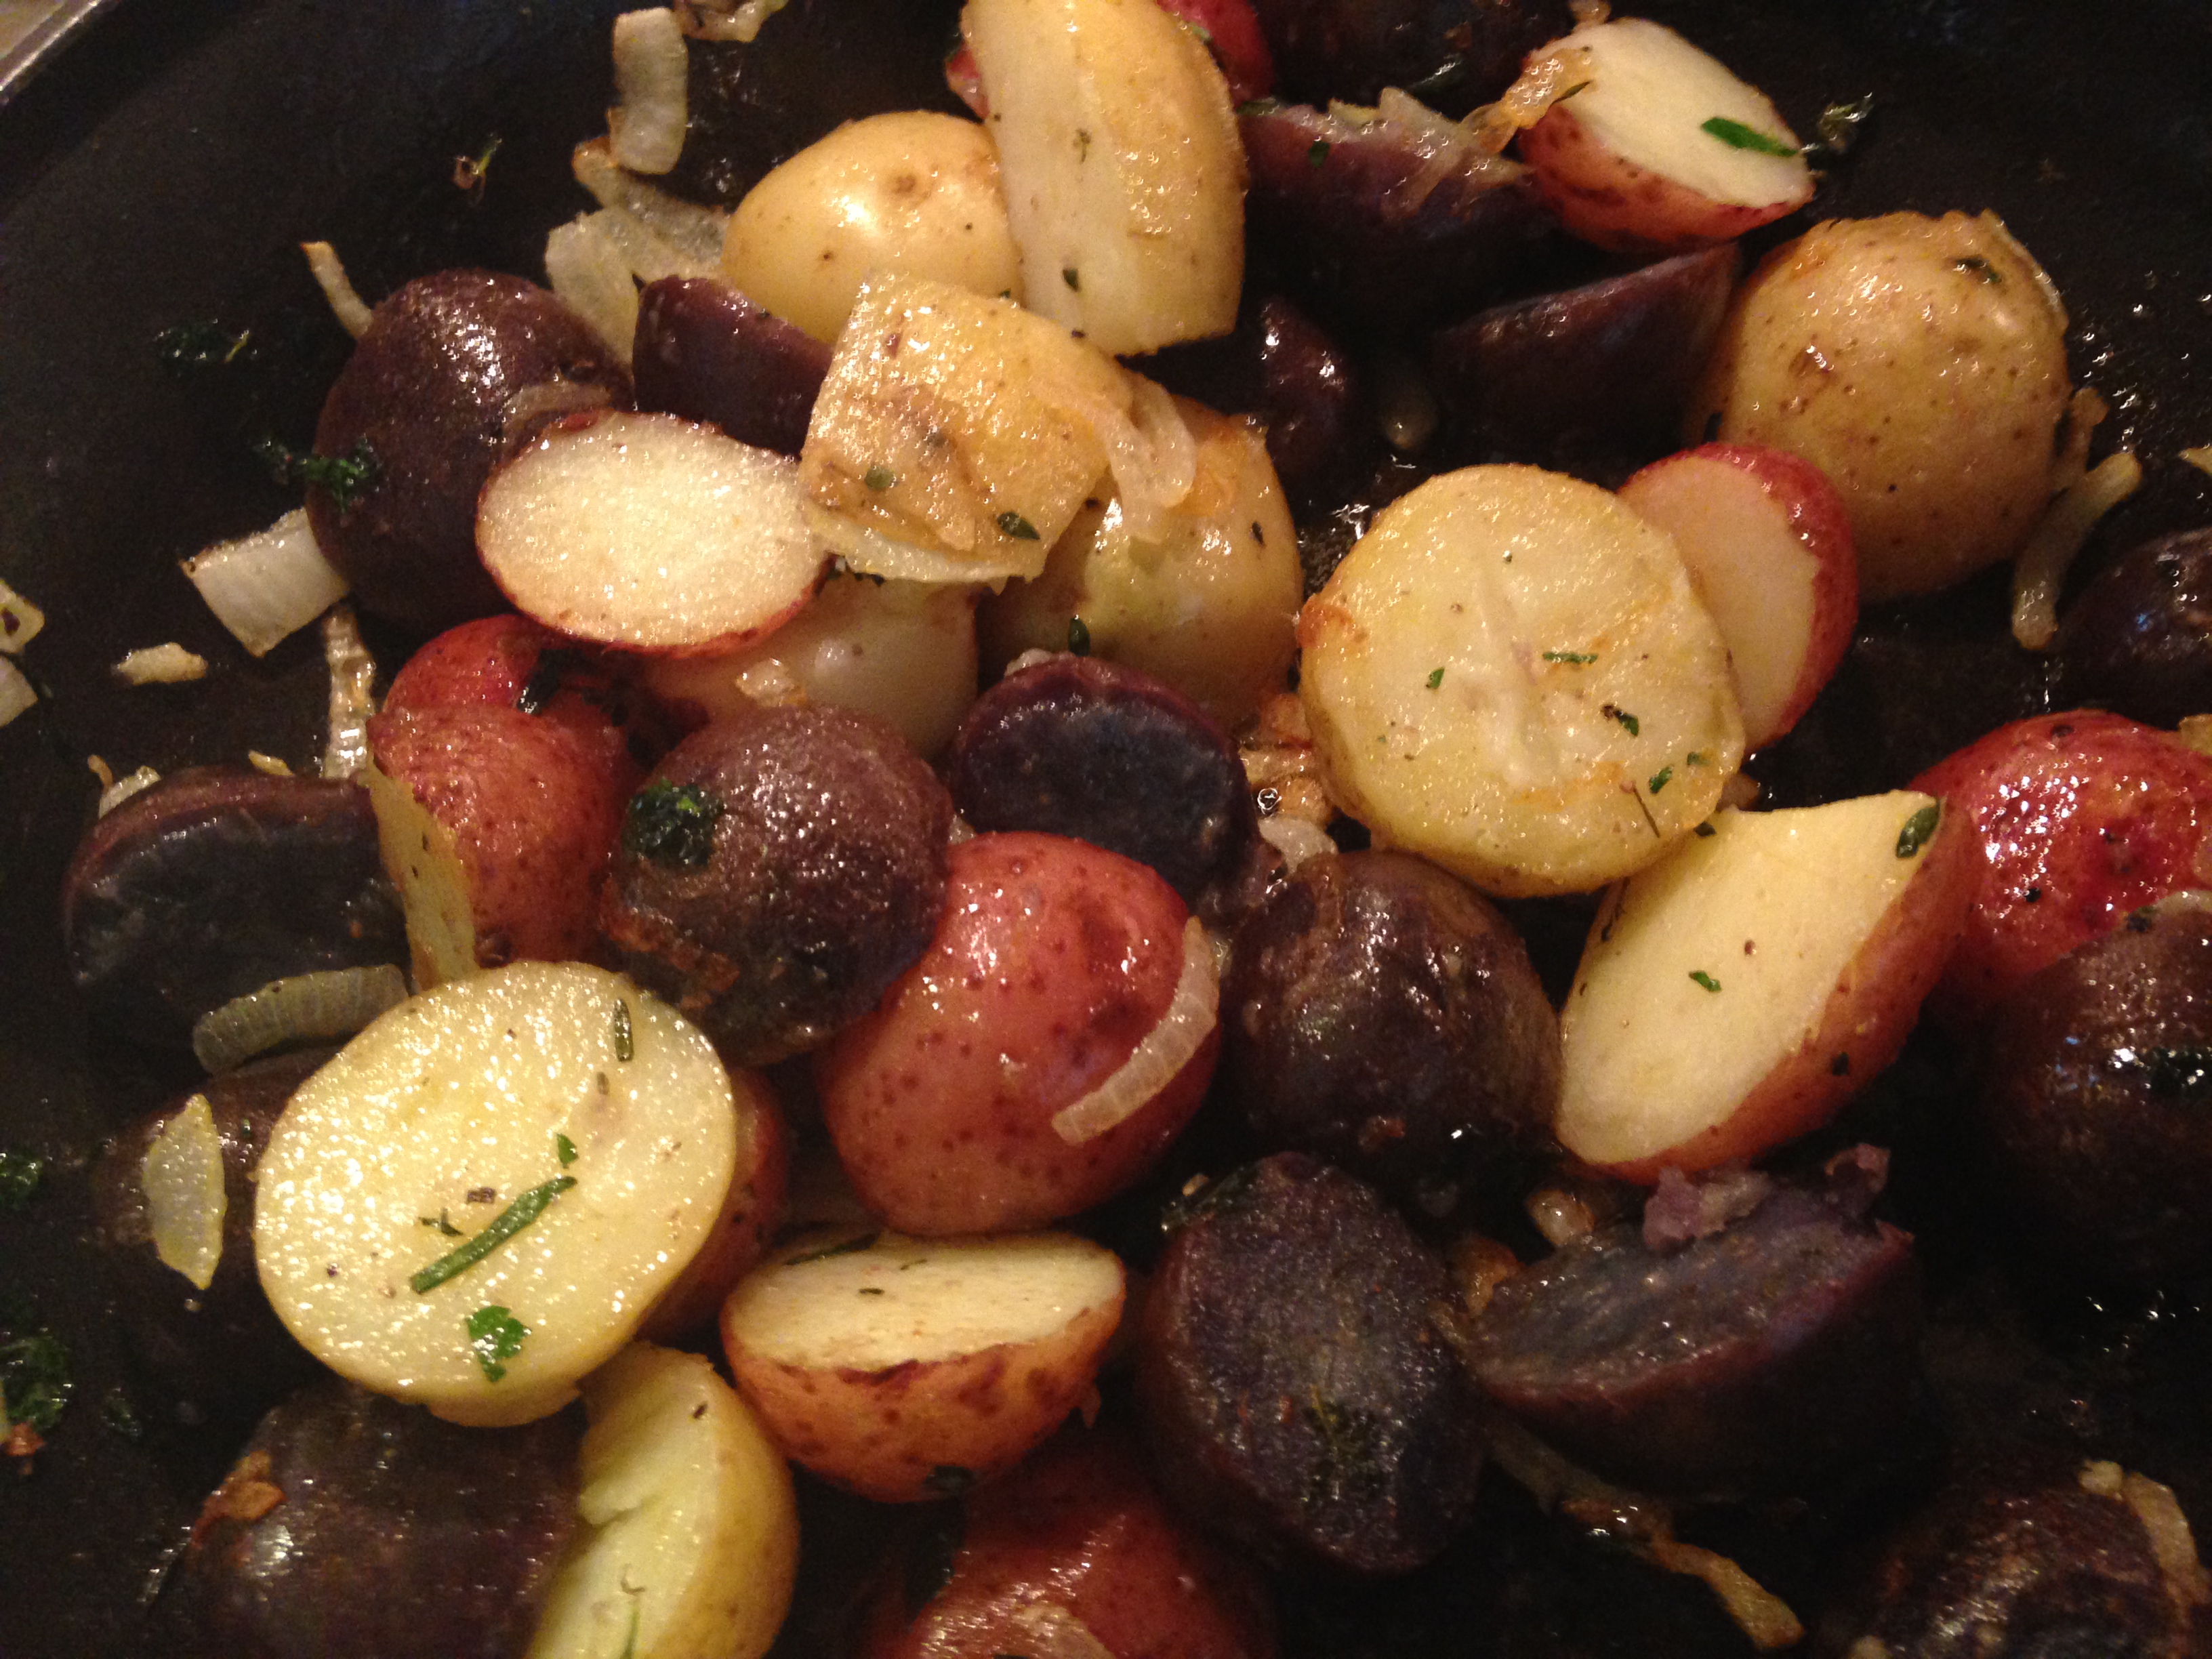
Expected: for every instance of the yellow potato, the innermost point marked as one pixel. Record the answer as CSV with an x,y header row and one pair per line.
x,y
1921,364
912,192
1211,607
905,1369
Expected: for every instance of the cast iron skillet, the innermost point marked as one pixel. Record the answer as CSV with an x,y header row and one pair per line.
x,y
160,169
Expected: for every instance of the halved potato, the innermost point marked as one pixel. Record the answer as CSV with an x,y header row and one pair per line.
x,y
751,1211
1736,995
691,1539
475,1201
907,1368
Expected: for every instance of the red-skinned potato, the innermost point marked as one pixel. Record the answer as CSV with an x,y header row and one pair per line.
x,y
1662,147
509,661
749,1219
1057,1033
1736,996
532,807
1075,1541
1768,542
2083,817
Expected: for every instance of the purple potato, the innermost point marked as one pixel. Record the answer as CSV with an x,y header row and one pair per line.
x,y
353,1526
1453,54
706,352
2139,640
1351,211
1299,1392
216,881
222,1350
1383,1016
1110,755
1605,366
1758,1357
458,369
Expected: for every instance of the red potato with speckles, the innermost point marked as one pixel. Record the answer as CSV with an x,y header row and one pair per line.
x,y
751,1211
1056,1036
509,661
2084,818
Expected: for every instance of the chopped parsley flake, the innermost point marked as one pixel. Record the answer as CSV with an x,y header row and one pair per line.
x,y
504,1225
1917,829
1695,758
625,1037
671,824
1577,657
1013,524
495,1337
1318,153
1661,779
34,1381
1629,722
1705,981
1736,136
1436,678
879,477
343,477
566,1148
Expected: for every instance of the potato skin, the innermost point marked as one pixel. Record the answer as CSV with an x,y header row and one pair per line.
x,y
823,885
706,352
222,1348
1921,364
2093,1079
356,1528
1079,1528
2139,640
749,1219
1382,1016
429,389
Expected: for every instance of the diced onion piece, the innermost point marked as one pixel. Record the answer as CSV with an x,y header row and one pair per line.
x,y
15,692
115,791
726,19
1166,1049
1296,838
2171,1540
330,274
1759,1613
352,693
1544,80
2050,552
588,269
160,665
265,587
269,766
318,1008
20,620
693,233
1560,1215
182,1176
645,129
2200,457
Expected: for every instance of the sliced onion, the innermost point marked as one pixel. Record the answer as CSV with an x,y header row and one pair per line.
x,y
115,791
2199,457
1446,147
269,766
182,1177
330,274
1759,1614
315,1007
1151,453
2171,1540
588,273
2050,552
20,621
694,232
726,19
265,587
1297,839
1166,1049
645,129
352,693
1547,78
160,665
15,692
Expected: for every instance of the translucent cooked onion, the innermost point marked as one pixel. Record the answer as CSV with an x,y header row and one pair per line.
x,y
317,1007
265,587
694,233
2041,573
115,791
588,271
726,19
1152,454
1556,73
1166,1049
352,693
160,665
181,1175
15,692
330,274
20,621
2171,1540
2199,457
645,129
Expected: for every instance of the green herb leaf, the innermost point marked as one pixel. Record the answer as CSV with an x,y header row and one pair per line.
x,y
1578,658
470,171
1318,153
1695,758
1977,265
1079,636
19,1175
1436,678
1917,829
673,825
1705,980
625,1038
442,1221
495,1336
1659,779
879,477
842,1247
949,1481
1073,278
1629,722
343,477
34,1381
1012,524
1736,136
504,1225
566,1148
191,348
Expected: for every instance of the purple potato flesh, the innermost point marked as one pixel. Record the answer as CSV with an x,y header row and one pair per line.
x,y
707,353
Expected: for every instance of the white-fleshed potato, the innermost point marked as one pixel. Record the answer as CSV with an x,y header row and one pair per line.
x,y
914,193
1209,603
1921,364
751,1213
1511,675
907,1368
957,436
691,1531
1736,995
475,1201
1123,171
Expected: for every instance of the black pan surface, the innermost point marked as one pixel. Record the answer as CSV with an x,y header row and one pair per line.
x,y
160,170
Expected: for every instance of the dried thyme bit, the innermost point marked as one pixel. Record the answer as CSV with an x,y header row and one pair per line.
x,y
19,1175
1012,524
1736,136
1661,779
1840,126
844,1247
1073,278
504,1225
625,1035
34,1381
1704,980
566,1149
469,171
1977,265
949,1481
1436,678
495,1337
442,1221
1917,829
1318,153
1579,659
1628,721
671,824
1079,636
879,477
196,348
343,477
